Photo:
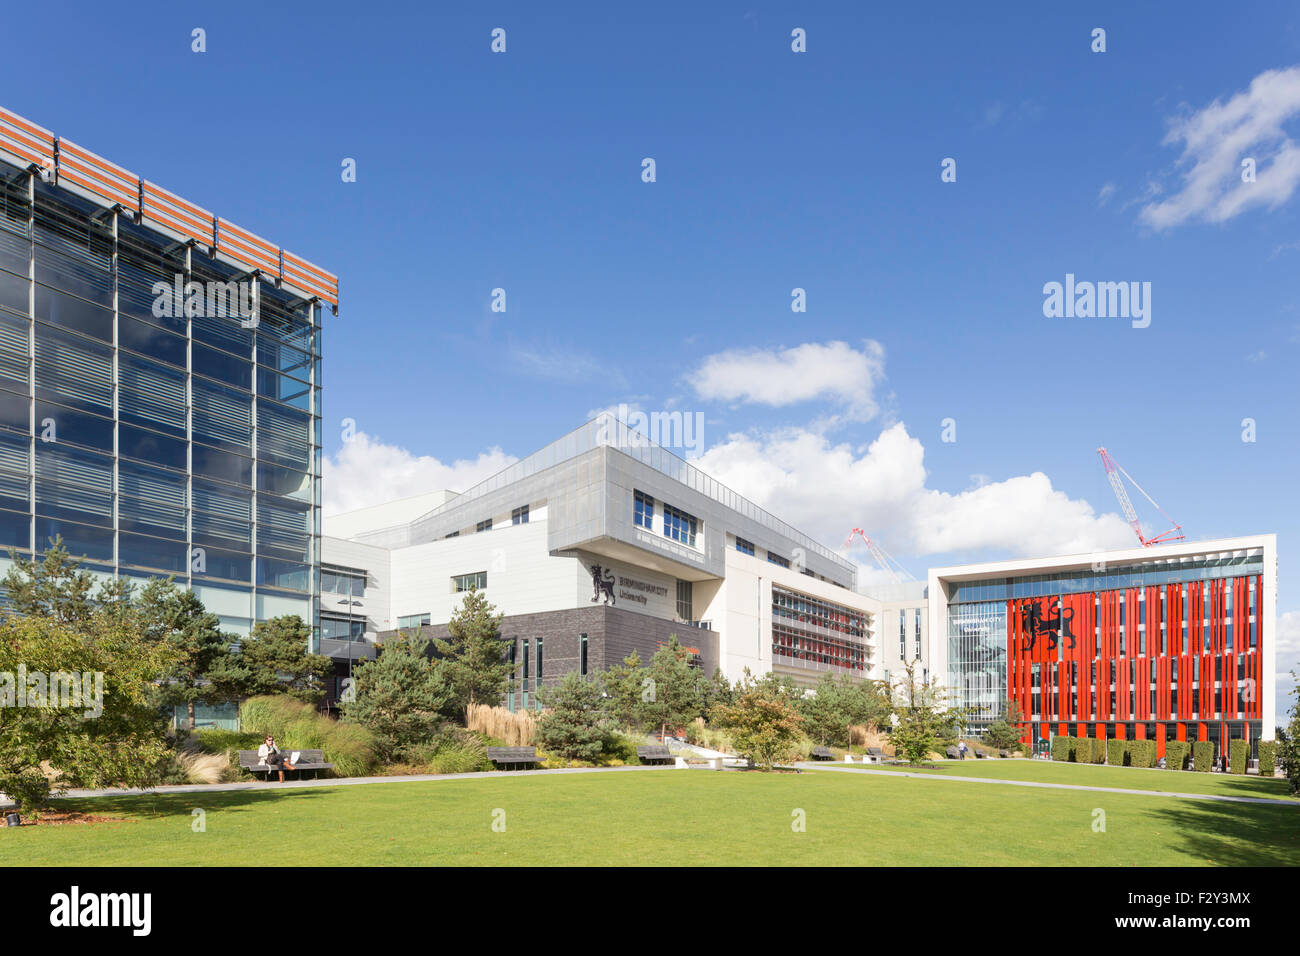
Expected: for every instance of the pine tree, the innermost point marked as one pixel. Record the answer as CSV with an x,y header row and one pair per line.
x,y
575,720
275,660
669,697
473,658
623,685
399,697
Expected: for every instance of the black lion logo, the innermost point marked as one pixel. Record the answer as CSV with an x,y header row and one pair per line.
x,y
1037,624
602,584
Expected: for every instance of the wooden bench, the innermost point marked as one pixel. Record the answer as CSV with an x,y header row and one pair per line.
x,y
512,756
1004,753
822,753
875,755
980,755
313,760
953,753
654,753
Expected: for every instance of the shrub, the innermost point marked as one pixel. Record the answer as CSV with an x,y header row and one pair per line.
x,y
216,741
1141,753
1267,757
203,768
1099,751
1081,749
1238,755
350,747
1202,756
1116,752
28,787
514,728
460,752
618,748
1061,748
1176,754
574,724
272,714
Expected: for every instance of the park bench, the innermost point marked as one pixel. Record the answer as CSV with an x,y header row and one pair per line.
x,y
512,756
822,753
953,753
654,753
1004,753
313,760
874,755
980,755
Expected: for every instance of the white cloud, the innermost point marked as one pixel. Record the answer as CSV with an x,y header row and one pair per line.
x,y
1215,141
835,371
1105,193
825,488
368,472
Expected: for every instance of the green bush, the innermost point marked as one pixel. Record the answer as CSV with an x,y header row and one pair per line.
x,y
1267,757
1061,749
1115,753
1238,754
1141,753
1202,756
617,748
460,753
1099,751
217,741
1082,749
350,747
272,714
29,788
1176,754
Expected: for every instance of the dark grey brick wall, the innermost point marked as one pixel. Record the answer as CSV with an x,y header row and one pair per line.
x,y
612,634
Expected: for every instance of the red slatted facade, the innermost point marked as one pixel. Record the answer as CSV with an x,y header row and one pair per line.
x,y
1144,662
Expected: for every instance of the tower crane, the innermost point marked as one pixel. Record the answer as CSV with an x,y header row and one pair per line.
x,y
1113,472
896,571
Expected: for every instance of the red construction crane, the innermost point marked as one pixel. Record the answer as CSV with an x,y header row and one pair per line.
x,y
891,567
1113,471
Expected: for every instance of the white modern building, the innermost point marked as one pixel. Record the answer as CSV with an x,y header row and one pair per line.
x,y
603,543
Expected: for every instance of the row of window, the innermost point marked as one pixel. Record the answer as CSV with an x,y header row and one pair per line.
x,y
346,582
677,524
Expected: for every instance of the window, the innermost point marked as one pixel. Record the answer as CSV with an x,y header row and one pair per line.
x,y
343,629
774,558
643,513
582,666
902,635
539,664
485,525
464,582
685,601
744,547
519,515
679,525
413,620
917,623
340,581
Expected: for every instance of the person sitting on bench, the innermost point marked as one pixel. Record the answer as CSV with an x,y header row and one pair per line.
x,y
270,755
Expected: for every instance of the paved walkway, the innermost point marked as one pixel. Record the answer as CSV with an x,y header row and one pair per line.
x,y
1049,786
340,782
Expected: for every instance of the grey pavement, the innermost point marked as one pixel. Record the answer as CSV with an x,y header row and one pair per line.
x,y
1049,786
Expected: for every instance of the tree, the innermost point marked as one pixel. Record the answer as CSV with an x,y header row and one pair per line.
x,y
763,722
575,720
1005,732
275,660
78,696
922,718
716,690
623,686
669,698
54,586
399,697
206,668
1288,742
473,658
825,714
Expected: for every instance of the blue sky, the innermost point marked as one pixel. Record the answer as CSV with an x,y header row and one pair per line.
x,y
774,170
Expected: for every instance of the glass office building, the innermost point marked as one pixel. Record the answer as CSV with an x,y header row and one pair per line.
x,y
156,434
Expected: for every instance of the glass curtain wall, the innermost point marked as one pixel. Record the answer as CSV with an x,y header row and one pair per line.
x,y
155,439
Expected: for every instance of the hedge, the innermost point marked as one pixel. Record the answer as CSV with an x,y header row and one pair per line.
x,y
1141,753
1238,754
1176,753
1081,749
1267,757
1202,756
1115,752
1061,748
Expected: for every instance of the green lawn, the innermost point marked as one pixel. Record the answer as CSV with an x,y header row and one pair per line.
x,y
668,817
1099,775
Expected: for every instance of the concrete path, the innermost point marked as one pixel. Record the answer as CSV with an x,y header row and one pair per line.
x,y
339,782
1049,786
